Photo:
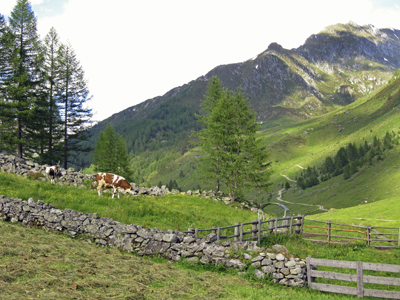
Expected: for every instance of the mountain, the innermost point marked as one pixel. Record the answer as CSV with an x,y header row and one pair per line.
x,y
331,69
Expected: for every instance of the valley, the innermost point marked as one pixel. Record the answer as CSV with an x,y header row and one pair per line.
x,y
340,87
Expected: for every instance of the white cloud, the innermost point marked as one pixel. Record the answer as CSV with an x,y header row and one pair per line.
x,y
135,50
7,6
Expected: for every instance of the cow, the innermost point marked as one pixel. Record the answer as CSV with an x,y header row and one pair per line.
x,y
52,172
111,181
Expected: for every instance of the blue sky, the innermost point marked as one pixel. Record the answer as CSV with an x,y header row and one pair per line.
x,y
134,50
49,8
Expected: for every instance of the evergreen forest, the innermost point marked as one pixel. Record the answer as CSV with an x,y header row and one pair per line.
x,y
43,92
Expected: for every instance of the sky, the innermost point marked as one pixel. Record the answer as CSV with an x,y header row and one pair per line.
x,y
134,50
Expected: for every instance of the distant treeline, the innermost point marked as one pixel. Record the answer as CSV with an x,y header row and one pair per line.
x,y
347,160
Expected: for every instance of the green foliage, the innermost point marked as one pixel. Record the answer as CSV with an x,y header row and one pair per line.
x,y
74,95
20,78
231,153
347,161
43,92
287,185
110,154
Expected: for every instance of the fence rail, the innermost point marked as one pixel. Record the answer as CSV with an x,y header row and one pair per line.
x,y
256,228
374,236
370,234
360,278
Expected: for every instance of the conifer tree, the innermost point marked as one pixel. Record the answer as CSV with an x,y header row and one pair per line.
x,y
49,121
110,154
20,76
7,122
210,136
122,158
228,142
73,95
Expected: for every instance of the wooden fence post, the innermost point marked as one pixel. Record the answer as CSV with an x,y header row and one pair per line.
x,y
285,223
241,232
309,270
236,232
399,238
196,233
329,230
259,232
271,225
360,281
219,234
253,228
368,235
291,224
276,226
299,226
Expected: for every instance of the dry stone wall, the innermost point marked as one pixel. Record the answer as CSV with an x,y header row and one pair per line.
x,y
22,167
173,245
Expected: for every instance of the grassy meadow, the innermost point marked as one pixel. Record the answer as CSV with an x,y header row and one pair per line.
x,y
167,212
37,264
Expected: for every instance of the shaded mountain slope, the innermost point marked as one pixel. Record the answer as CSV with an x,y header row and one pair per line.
x,y
332,69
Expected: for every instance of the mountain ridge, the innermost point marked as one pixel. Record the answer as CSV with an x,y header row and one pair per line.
x,y
331,69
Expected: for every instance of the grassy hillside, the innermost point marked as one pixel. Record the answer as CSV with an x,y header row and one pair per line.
x,y
385,213
292,149
38,264
35,264
297,145
177,212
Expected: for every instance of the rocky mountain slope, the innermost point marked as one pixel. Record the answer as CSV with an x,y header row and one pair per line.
x,y
333,68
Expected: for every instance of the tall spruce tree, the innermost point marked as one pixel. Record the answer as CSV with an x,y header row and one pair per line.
x,y
20,78
73,97
7,121
231,151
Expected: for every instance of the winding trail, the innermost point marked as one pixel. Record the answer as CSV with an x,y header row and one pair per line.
x,y
304,204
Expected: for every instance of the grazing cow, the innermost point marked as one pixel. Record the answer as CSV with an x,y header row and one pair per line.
x,y
52,172
111,181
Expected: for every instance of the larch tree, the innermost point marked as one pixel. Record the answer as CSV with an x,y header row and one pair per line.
x,y
21,77
210,136
73,97
228,142
50,125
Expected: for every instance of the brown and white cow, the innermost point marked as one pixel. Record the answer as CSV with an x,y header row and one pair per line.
x,y
111,181
52,172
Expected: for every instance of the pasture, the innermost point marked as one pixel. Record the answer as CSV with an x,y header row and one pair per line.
x,y
37,264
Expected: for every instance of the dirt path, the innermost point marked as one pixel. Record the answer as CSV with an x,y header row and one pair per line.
x,y
304,204
288,178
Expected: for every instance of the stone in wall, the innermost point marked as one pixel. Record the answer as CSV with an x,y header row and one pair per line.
x,y
173,245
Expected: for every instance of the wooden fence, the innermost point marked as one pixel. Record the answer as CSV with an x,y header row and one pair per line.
x,y
381,237
374,236
256,228
360,278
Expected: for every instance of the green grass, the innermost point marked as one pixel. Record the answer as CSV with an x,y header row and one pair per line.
x,y
35,264
385,213
178,212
